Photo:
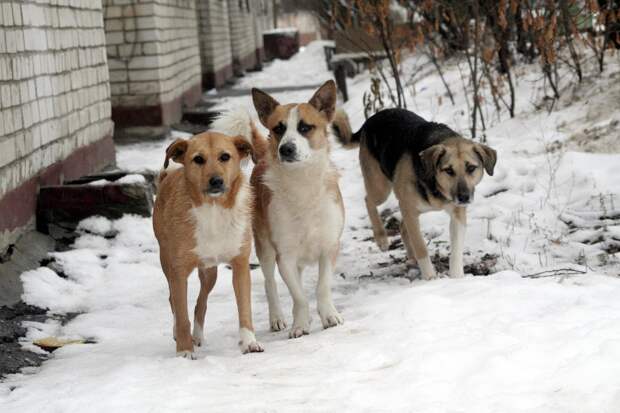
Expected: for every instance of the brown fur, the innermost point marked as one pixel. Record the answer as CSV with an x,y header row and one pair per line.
x,y
181,190
342,127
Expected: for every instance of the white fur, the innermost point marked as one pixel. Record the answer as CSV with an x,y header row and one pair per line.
x,y
293,136
219,231
457,243
247,341
197,334
426,268
186,354
306,218
306,223
233,122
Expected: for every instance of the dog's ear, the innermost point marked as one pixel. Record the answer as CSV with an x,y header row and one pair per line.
x,y
324,99
430,158
264,104
244,147
176,151
487,155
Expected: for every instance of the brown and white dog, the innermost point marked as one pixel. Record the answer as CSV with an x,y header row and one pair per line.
x,y
430,167
202,217
299,215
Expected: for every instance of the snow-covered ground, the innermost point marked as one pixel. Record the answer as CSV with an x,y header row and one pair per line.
x,y
502,343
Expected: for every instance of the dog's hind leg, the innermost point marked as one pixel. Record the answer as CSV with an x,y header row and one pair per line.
x,y
325,304
378,188
458,221
407,242
207,282
301,310
267,258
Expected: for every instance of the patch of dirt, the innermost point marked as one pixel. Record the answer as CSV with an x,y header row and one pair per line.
x,y
602,138
600,114
391,223
397,266
13,357
484,265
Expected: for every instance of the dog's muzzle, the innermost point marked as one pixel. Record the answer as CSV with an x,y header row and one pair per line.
x,y
216,186
288,152
464,199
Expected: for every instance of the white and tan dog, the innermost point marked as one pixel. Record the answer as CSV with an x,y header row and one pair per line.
x,y
202,218
299,214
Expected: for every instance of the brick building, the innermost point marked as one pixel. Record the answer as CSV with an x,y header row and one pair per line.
x,y
153,58
74,71
54,102
214,41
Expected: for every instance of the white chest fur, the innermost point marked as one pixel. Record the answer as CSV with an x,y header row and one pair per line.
x,y
304,215
219,231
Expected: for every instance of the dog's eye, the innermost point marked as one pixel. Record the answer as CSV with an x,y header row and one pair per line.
x,y
279,129
199,160
304,128
449,171
225,157
471,169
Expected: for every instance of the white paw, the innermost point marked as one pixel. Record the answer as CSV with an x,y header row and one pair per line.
x,y
330,317
298,331
457,273
277,323
197,335
252,347
430,275
383,243
301,321
427,269
186,355
248,343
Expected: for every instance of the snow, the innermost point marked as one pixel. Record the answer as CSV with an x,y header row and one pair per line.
x,y
283,30
127,179
502,343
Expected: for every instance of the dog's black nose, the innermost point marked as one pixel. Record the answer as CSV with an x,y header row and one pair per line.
x,y
463,198
287,151
216,182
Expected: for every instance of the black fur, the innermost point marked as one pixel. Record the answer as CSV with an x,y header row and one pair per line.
x,y
392,133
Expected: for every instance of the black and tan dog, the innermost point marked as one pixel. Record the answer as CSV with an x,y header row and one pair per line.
x,y
430,167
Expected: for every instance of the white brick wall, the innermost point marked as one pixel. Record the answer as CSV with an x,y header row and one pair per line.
x,y
54,93
152,49
242,32
214,35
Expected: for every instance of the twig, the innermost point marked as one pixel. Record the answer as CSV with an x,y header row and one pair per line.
x,y
556,272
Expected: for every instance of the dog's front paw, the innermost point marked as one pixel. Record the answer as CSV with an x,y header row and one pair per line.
x,y
186,354
298,331
252,347
459,273
248,343
382,242
427,269
277,323
431,275
330,317
301,321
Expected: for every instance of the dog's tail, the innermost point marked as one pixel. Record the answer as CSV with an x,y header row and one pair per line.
x,y
238,122
342,129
